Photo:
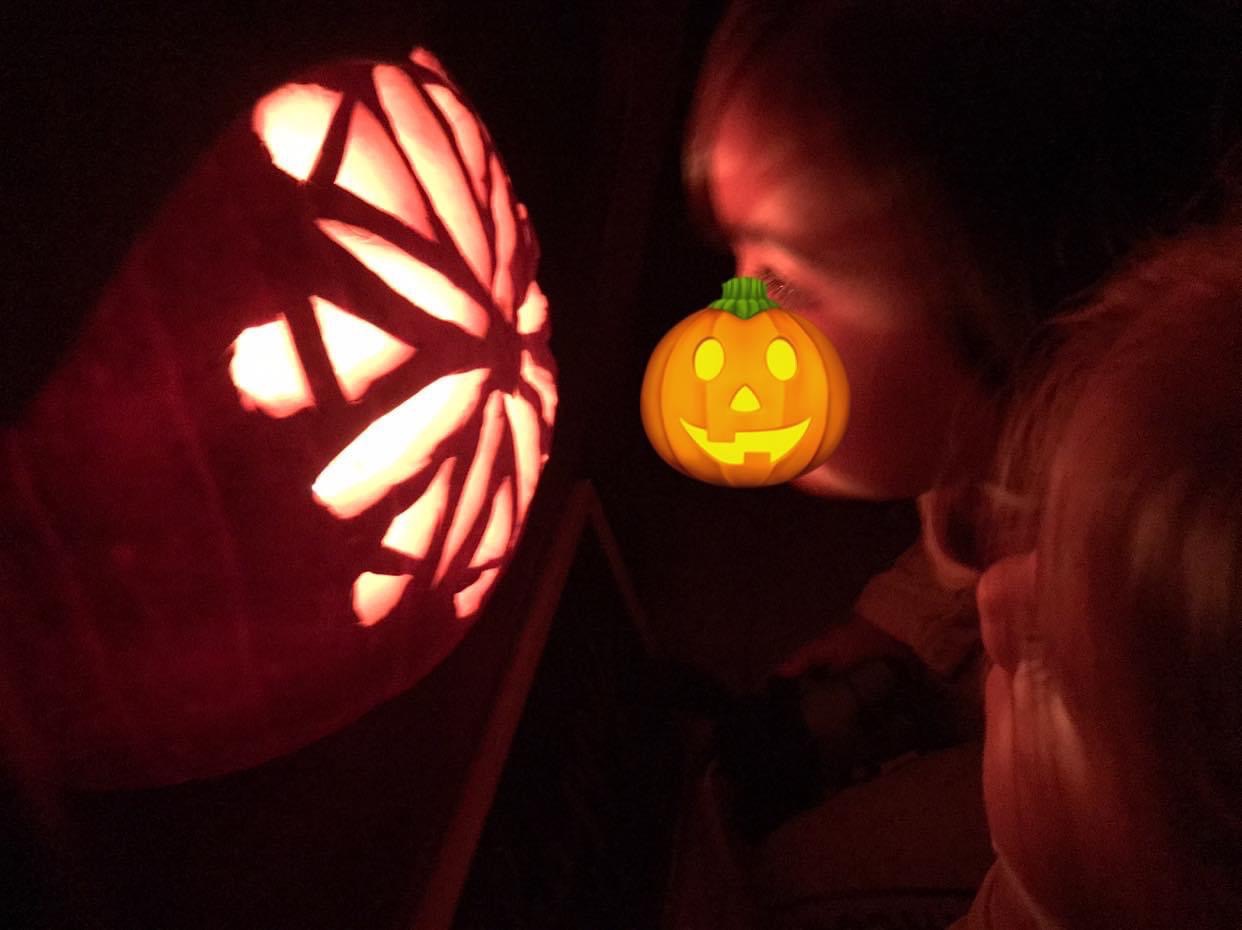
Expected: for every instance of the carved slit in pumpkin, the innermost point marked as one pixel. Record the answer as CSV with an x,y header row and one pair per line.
x,y
543,383
419,283
375,596
468,132
524,423
267,371
411,530
397,445
494,542
532,315
409,149
360,352
506,239
475,489
293,122
482,205
373,170
431,149
467,601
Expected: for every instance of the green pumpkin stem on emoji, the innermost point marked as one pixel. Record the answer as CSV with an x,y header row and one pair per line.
x,y
744,298
744,392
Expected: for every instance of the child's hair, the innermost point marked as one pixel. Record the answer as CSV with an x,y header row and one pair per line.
x,y
1046,138
1132,442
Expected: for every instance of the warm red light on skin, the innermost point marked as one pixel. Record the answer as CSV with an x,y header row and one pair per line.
x,y
874,282
1042,779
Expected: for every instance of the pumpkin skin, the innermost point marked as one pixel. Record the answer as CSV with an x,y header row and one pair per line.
x,y
737,423
276,478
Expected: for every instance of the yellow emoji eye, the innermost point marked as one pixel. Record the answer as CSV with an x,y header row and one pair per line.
x,y
782,360
708,358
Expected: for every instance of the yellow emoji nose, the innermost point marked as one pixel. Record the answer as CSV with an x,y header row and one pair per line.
x,y
744,401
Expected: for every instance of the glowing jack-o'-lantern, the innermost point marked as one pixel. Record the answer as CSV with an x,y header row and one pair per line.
x,y
279,474
744,393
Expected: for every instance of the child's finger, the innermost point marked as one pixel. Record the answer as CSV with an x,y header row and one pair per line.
x,y
840,647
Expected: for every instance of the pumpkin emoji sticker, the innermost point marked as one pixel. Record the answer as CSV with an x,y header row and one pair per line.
x,y
744,393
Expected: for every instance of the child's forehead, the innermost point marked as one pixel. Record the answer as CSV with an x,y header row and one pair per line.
x,y
801,185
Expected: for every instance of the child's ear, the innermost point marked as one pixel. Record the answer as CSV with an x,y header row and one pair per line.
x,y
1006,599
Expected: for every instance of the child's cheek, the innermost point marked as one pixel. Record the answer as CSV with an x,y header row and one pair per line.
x,y
1005,597
1021,824
997,641
998,769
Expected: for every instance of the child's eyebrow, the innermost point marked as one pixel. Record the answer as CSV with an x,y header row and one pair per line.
x,y
826,251
758,235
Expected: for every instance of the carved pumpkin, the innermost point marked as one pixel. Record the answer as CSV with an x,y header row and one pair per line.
x,y
276,478
744,393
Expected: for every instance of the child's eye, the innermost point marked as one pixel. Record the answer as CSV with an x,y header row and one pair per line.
x,y
780,290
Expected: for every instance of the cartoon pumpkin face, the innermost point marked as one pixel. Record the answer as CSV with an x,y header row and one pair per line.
x,y
744,393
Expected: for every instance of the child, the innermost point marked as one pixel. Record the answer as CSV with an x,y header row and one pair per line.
x,y
1113,758
927,181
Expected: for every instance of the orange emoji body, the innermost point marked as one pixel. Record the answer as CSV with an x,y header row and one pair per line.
x,y
744,393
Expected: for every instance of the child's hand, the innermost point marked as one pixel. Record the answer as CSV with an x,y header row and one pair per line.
x,y
843,646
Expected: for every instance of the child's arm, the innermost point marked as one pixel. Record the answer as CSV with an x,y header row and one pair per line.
x,y
842,646
905,610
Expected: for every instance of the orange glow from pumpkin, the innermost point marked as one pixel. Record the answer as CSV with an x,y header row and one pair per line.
x,y
290,453
292,122
267,371
506,240
467,601
468,133
360,352
525,425
499,528
429,173
398,445
411,531
533,313
428,60
372,169
544,384
417,282
376,595
474,491
426,146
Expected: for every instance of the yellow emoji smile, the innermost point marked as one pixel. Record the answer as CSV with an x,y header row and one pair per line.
x,y
777,443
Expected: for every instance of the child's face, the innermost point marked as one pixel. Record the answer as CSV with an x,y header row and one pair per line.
x,y
850,253
1051,808
1020,792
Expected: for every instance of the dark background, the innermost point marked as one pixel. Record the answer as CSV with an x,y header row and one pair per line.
x,y
107,108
